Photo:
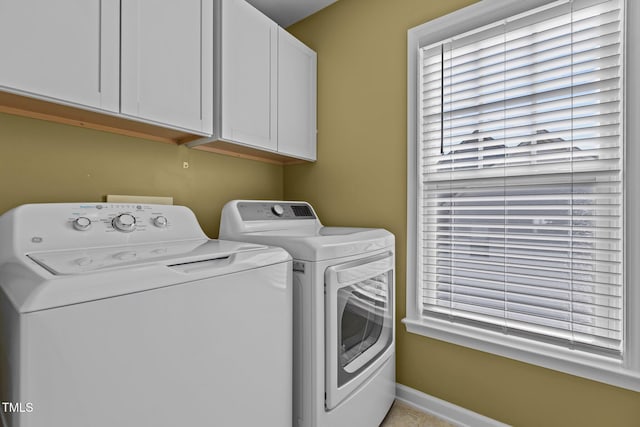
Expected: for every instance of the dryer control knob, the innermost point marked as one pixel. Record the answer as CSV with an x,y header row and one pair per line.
x,y
277,210
82,223
124,222
160,221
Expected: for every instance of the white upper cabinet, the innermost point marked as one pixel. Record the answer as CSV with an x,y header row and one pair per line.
x,y
264,88
248,75
167,62
218,70
63,50
296,98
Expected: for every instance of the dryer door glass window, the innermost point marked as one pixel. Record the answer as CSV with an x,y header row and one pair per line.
x,y
362,309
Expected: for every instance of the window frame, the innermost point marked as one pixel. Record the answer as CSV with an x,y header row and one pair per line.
x,y
625,373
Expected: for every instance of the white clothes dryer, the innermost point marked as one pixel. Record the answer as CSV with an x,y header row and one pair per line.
x,y
344,299
128,315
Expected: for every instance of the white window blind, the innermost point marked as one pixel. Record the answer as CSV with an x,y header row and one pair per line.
x,y
521,176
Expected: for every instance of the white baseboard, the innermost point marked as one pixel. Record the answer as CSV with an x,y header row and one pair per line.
x,y
449,412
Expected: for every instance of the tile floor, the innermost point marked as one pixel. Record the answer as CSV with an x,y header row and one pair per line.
x,y
402,415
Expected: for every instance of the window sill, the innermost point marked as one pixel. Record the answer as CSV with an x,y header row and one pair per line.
x,y
574,362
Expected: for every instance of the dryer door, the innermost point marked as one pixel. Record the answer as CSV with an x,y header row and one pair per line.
x,y
358,323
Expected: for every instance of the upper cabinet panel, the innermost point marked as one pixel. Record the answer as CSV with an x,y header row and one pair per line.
x,y
296,98
167,62
248,73
66,50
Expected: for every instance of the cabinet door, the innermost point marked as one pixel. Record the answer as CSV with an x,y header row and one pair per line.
x,y
167,62
296,98
249,76
63,50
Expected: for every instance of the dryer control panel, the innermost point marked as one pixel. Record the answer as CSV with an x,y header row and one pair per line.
x,y
266,216
261,211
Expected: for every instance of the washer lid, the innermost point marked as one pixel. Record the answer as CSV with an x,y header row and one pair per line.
x,y
88,260
322,243
54,279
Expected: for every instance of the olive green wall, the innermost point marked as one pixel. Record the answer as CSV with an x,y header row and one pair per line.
x,y
47,162
360,179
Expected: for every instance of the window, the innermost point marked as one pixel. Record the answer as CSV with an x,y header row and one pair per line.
x,y
517,227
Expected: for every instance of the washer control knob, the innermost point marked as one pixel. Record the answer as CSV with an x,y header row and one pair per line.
x,y
160,221
277,210
82,223
124,222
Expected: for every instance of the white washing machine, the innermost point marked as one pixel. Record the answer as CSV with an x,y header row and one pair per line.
x,y
128,315
344,299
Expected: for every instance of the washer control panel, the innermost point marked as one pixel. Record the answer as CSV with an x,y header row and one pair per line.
x,y
124,218
261,211
76,225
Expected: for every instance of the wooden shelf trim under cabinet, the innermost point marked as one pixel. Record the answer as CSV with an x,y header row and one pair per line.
x,y
38,109
43,110
244,152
